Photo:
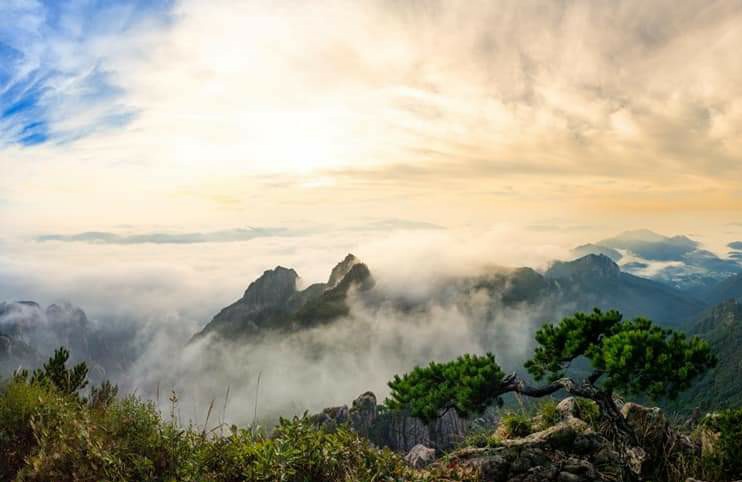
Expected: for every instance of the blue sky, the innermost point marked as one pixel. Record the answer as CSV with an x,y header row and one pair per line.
x,y
49,63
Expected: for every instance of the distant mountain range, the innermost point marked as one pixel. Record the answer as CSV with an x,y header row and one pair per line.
x,y
275,302
677,261
30,333
687,288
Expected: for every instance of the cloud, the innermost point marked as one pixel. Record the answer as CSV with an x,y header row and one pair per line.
x,y
227,235
55,84
595,106
153,298
396,224
736,245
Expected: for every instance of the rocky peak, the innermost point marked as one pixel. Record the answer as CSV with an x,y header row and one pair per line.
x,y
274,287
67,314
592,266
341,269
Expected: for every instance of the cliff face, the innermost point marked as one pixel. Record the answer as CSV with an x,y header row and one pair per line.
x,y
396,430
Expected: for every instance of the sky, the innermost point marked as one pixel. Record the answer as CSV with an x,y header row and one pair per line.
x,y
156,156
165,130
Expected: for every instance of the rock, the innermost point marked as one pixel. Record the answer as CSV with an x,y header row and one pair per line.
x,y
330,418
420,456
397,430
659,442
569,451
341,270
561,436
568,408
363,413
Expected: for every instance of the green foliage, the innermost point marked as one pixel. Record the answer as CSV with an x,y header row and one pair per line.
x,y
46,435
547,414
480,439
722,460
515,424
469,384
635,357
298,451
55,373
643,358
19,404
588,411
103,395
574,336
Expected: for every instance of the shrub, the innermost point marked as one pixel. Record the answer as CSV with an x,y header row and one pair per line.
x,y
143,445
298,451
588,411
19,404
514,424
722,461
480,439
547,414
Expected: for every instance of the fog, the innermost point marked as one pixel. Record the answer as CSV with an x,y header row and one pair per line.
x,y
147,301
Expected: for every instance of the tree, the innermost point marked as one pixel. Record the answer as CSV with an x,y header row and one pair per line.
x,y
631,357
55,373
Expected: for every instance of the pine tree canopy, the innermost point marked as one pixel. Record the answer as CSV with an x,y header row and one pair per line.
x,y
632,357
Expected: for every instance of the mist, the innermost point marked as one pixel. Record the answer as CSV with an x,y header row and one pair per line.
x,y
147,302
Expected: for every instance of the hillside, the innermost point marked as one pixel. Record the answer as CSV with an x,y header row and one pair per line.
x,y
728,289
596,281
722,386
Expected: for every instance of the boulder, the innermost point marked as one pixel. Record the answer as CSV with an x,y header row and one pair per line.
x,y
420,456
363,413
568,408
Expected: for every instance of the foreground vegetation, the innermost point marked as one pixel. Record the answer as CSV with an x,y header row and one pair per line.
x,y
49,431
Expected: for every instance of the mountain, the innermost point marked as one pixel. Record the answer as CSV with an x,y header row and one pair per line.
x,y
29,333
591,248
596,281
275,302
727,289
721,326
677,261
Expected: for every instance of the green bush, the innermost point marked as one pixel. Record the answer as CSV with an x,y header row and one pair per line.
x,y
547,414
515,424
480,439
588,411
19,404
722,459
47,435
298,451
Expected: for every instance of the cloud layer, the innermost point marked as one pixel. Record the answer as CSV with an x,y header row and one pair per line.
x,y
206,114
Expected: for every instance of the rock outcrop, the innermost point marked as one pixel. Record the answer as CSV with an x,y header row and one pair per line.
x,y
420,456
569,451
397,430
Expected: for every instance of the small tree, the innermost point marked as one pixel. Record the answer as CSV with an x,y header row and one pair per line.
x,y
633,357
55,373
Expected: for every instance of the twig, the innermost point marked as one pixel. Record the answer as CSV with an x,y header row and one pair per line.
x,y
257,391
208,415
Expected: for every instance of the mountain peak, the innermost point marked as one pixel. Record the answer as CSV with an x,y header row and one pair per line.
x,y
592,265
341,269
274,286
